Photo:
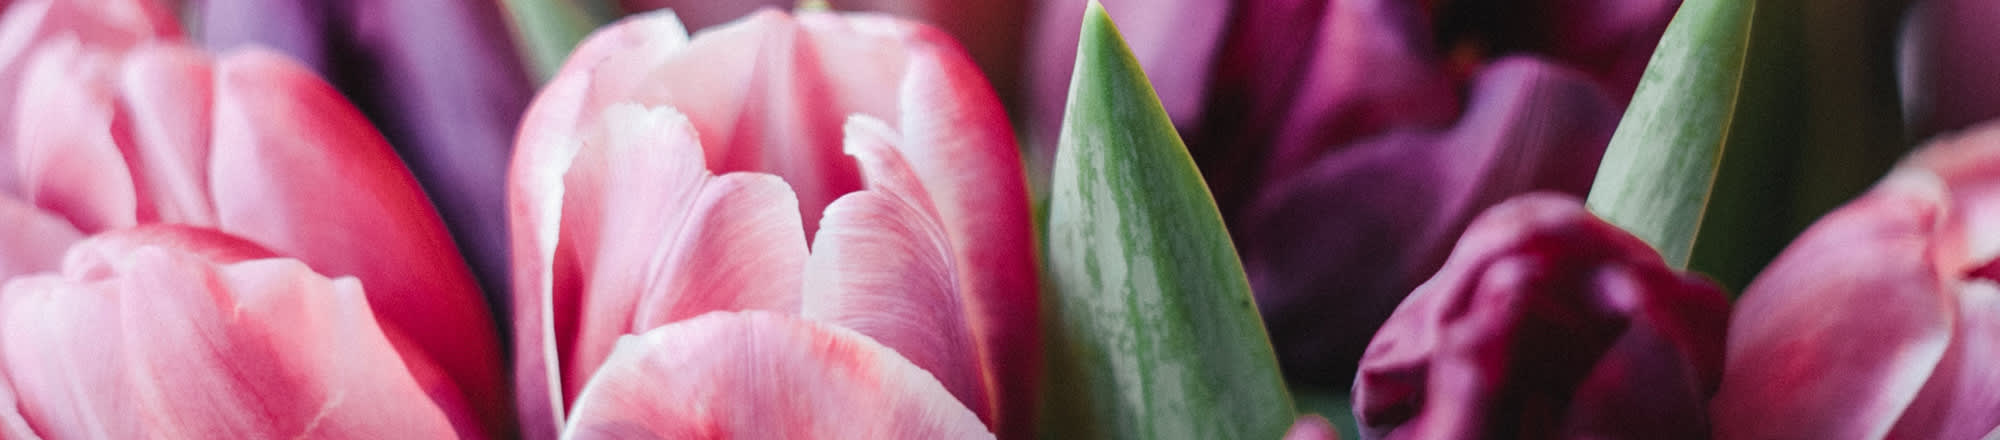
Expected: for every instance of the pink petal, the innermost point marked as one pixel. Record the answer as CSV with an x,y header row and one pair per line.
x,y
545,148
1312,427
33,240
762,375
70,157
110,25
296,168
1958,400
1836,337
958,143
657,239
163,342
166,95
882,266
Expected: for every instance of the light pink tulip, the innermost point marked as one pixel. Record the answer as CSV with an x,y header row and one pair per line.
x,y
1882,320
254,145
639,198
177,332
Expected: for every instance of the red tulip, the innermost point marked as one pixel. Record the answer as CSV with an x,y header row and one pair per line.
x,y
256,146
1882,320
1546,322
177,332
921,240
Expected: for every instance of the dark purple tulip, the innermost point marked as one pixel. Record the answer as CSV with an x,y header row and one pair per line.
x,y
1348,142
1546,323
1949,61
1882,320
441,79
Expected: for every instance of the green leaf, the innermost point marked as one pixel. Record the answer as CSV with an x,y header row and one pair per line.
x,y
549,29
1661,165
1150,328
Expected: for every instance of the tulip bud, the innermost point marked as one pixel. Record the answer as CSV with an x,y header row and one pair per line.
x,y
176,332
1546,322
1883,318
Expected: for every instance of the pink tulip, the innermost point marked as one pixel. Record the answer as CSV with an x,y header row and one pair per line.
x,y
178,332
256,146
882,145
1882,320
1546,322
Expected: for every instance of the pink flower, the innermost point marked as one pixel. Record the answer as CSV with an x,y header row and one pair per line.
x,y
874,138
1882,320
25,28
250,144
177,332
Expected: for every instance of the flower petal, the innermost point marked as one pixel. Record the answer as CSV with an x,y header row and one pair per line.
x,y
657,239
958,143
110,25
33,240
1836,337
166,94
165,342
296,169
762,375
882,266
70,157
1333,250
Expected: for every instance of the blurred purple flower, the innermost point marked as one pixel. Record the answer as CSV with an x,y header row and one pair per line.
x,y
1882,320
441,78
1348,142
1949,59
1547,322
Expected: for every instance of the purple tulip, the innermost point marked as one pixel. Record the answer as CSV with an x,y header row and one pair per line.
x,y
1882,320
1546,322
1348,142
440,77
1950,57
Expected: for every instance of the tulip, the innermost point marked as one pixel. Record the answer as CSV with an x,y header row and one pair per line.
x,y
1946,65
179,332
1546,322
34,239
1880,320
659,178
441,77
26,27
253,145
1338,145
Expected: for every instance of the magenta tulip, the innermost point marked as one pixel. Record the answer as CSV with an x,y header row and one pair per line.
x,y
1882,320
176,332
659,178
1546,322
1349,142
256,146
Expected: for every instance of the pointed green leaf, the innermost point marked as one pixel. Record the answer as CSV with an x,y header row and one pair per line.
x,y
1661,165
1151,330
549,29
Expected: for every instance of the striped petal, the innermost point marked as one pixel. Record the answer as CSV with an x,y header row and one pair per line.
x,y
159,333
762,375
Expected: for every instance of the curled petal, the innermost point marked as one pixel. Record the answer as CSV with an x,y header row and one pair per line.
x,y
162,341
109,25
1546,323
656,239
69,155
762,375
882,266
